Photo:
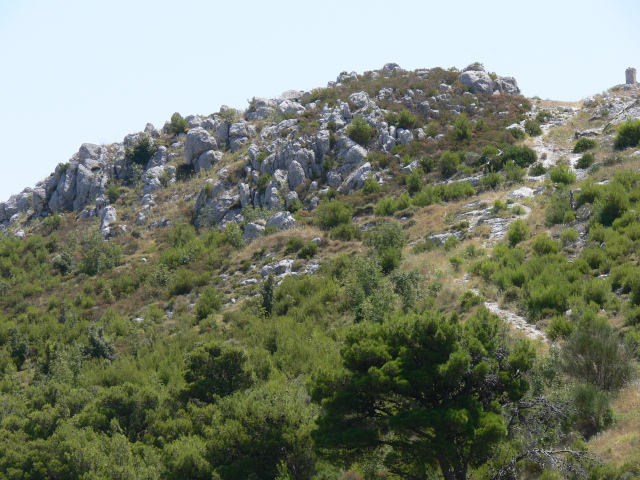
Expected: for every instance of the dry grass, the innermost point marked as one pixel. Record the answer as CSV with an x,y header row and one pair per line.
x,y
621,443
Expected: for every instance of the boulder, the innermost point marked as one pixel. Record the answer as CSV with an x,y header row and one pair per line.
x,y
198,142
159,159
405,137
252,231
478,82
424,108
389,68
207,159
360,99
238,130
323,143
281,220
520,193
107,217
296,175
290,95
507,85
289,106
292,197
356,180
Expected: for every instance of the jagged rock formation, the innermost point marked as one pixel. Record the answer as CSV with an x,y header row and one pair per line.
x,y
283,164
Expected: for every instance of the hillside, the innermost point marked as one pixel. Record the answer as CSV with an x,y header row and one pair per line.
x,y
402,275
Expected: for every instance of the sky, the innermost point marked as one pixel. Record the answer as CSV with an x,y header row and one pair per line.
x,y
74,72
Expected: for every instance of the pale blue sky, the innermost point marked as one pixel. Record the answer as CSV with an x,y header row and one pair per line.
x,y
93,71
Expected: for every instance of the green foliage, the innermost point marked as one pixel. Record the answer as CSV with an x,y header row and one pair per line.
x,y
593,411
562,174
346,232
628,134
181,283
461,129
537,169
543,116
432,385
584,144
586,160
594,353
208,303
449,163
521,156
385,236
331,214
559,327
140,152
178,124
514,173
263,180
518,232
97,255
491,180
559,209
532,127
215,369
112,192
414,180
406,120
99,346
543,245
451,243
360,131
371,186
267,294
233,236
309,250
516,133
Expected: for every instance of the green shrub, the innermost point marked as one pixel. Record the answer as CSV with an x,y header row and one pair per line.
x,y
263,181
532,128
537,169
628,135
449,163
562,174
389,260
559,209
586,160
559,327
516,133
518,231
596,291
293,245
612,204
208,303
593,412
308,251
595,353
360,131
414,180
181,282
522,156
584,144
491,180
568,237
514,173
451,242
385,236
543,245
233,236
386,206
112,192
141,151
543,116
331,214
406,120
346,232
370,186
461,129
178,124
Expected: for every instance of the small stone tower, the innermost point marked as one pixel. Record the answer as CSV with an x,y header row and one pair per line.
x,y
631,76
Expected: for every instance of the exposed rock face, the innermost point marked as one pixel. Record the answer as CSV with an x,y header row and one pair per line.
x,y
281,220
478,82
107,217
198,142
252,231
630,75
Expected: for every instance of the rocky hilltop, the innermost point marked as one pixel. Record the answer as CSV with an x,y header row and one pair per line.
x,y
298,141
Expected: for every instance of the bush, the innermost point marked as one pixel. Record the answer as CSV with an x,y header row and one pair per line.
x,y
461,130
532,128
537,169
628,135
346,232
514,173
491,180
414,180
559,327
559,209
308,251
595,353
331,214
612,204
586,160
449,163
451,242
406,120
263,181
584,144
370,186
233,236
593,412
543,245
522,156
141,151
385,236
178,124
181,283
518,231
208,303
568,237
516,133
294,244
562,174
360,131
